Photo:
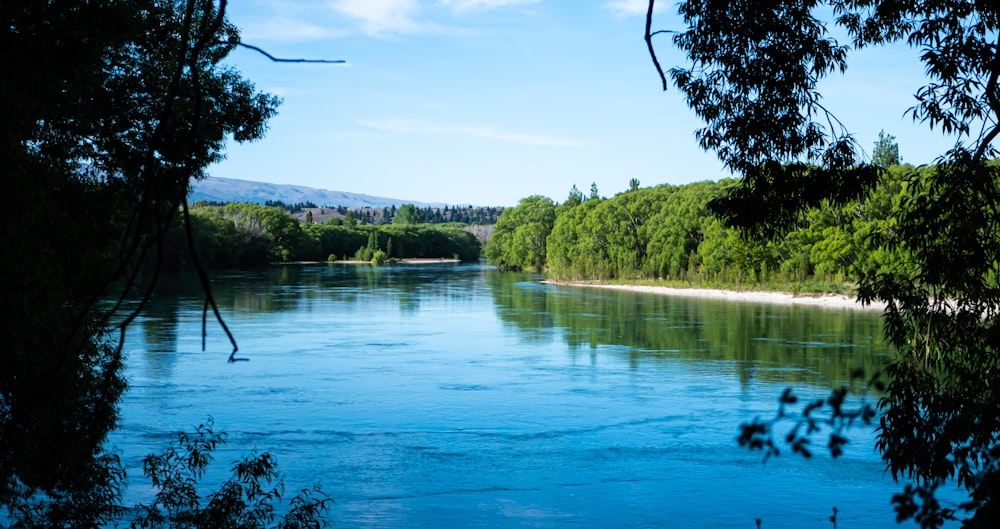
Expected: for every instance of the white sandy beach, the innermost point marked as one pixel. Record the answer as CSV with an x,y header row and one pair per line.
x,y
826,300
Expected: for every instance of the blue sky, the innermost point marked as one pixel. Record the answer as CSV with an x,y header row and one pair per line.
x,y
489,101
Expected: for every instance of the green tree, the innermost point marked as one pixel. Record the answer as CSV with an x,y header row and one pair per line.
x,y
886,150
753,77
408,214
350,219
570,252
574,198
518,239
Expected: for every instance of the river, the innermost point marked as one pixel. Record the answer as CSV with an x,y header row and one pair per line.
x,y
442,395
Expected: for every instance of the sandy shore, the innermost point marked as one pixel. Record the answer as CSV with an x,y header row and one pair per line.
x,y
409,260
826,300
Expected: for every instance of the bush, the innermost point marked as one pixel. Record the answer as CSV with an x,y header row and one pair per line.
x,y
247,499
250,498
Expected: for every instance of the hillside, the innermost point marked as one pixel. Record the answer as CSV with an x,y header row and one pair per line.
x,y
214,189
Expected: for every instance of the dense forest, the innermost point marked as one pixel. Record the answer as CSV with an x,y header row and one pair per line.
x,y
251,234
309,213
431,215
667,232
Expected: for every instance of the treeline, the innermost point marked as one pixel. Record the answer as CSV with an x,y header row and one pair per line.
x,y
472,215
291,208
447,214
667,232
239,234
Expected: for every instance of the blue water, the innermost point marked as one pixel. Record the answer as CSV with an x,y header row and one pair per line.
x,y
455,396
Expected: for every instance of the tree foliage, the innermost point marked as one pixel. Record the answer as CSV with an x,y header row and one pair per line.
x,y
886,150
248,499
407,214
254,235
752,75
110,109
669,232
518,240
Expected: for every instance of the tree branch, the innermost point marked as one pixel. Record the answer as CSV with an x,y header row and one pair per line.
x,y
991,96
649,43
279,59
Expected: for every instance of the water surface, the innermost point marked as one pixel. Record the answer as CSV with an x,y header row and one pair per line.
x,y
458,396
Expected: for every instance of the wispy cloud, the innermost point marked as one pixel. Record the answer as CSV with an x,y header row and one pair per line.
x,y
415,127
382,17
467,5
630,8
285,29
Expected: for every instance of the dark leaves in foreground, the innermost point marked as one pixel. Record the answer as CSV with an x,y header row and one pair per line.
x,y
831,414
247,500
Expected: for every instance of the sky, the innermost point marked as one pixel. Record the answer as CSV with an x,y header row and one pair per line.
x,y
486,102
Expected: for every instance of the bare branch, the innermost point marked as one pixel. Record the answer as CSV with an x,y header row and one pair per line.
x,y
649,43
279,59
206,287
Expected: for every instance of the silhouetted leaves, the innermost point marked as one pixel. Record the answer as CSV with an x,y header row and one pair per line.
x,y
247,500
110,109
831,416
752,76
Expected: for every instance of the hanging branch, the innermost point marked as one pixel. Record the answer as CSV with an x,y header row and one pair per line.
x,y
649,43
206,285
135,247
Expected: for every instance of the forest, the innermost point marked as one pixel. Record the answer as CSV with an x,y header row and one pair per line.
x,y
241,234
669,233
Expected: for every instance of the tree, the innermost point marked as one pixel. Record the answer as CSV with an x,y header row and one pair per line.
x,y
349,219
408,214
752,76
886,151
575,197
133,102
518,240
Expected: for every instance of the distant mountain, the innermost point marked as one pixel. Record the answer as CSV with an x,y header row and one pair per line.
x,y
214,189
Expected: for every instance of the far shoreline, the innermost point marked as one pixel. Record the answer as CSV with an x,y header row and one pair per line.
x,y
407,260
836,301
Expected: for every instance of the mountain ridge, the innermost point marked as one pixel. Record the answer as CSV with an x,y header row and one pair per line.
x,y
218,189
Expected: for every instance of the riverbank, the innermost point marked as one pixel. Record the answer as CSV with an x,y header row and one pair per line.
x,y
753,296
408,260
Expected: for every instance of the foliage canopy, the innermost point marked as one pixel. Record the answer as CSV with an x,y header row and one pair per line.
x,y
111,108
752,75
518,240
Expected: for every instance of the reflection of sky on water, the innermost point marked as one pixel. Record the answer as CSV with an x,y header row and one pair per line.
x,y
454,396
